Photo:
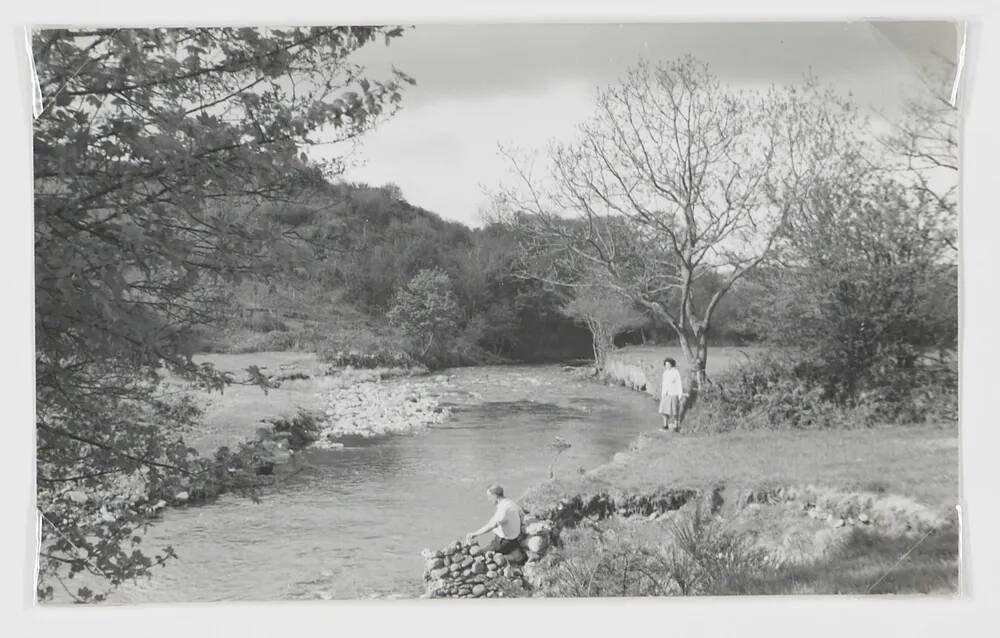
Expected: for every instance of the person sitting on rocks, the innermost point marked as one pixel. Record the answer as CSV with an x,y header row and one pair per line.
x,y
505,524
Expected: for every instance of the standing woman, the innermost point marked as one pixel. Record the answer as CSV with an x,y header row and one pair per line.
x,y
671,395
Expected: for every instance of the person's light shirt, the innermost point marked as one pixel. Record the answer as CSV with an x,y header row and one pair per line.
x,y
672,385
506,522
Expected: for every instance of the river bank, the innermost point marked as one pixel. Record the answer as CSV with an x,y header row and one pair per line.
x,y
342,525
346,402
823,511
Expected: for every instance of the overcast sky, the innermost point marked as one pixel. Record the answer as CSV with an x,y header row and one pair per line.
x,y
523,85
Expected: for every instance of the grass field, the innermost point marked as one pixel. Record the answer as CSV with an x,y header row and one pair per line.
x,y
910,472
920,462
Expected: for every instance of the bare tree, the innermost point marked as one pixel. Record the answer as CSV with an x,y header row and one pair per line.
x,y
605,313
924,144
675,177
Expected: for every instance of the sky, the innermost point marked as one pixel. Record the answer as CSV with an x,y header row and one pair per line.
x,y
525,85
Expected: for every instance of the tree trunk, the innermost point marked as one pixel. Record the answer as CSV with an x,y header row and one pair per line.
x,y
698,373
599,343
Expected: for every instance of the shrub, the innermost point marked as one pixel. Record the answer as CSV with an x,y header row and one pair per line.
x,y
603,563
367,360
698,556
301,430
427,311
781,391
713,560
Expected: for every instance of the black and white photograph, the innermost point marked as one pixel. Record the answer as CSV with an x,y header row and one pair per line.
x,y
496,311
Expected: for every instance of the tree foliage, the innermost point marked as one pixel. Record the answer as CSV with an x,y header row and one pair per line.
x,y
605,313
156,151
866,291
676,178
427,310
865,288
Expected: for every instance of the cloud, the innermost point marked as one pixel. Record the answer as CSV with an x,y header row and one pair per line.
x,y
523,84
443,153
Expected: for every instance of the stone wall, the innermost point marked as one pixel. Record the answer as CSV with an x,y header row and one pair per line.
x,y
467,570
635,373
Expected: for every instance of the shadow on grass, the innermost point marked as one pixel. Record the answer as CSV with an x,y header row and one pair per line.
x,y
867,564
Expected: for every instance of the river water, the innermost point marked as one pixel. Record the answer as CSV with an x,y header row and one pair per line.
x,y
352,525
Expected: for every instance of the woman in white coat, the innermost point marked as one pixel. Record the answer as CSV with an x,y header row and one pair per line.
x,y
671,395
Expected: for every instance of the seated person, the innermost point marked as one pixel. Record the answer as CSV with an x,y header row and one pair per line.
x,y
505,524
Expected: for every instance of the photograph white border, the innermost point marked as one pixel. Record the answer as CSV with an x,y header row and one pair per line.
x,y
966,614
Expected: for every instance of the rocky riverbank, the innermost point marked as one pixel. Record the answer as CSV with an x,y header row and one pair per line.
x,y
372,403
466,570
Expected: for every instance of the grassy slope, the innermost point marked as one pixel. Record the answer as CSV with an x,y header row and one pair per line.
x,y
921,462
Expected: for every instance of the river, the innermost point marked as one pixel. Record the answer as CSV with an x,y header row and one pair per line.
x,y
353,524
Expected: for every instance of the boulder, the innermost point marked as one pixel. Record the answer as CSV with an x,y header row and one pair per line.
x,y
435,563
454,568
468,561
439,573
536,544
479,567
500,560
491,574
478,590
516,556
475,550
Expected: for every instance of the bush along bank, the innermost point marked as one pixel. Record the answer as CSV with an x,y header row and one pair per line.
x,y
788,390
360,403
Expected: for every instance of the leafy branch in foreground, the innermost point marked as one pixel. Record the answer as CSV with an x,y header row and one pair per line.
x,y
156,152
